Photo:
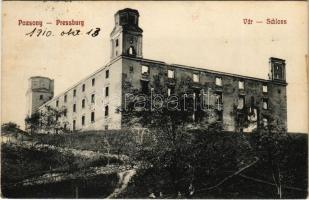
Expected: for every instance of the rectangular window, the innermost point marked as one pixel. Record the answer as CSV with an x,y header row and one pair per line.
x,y
117,42
265,89
83,120
41,97
107,74
74,93
93,82
265,104
83,103
65,98
65,112
218,81
265,122
74,125
106,91
57,103
83,87
145,88
92,98
196,78
170,73
74,107
241,102
241,85
92,116
170,91
106,111
218,101
145,70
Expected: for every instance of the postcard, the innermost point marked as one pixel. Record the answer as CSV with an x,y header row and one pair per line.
x,y
154,99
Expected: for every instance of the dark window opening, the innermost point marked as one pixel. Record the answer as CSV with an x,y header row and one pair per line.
x,y
107,74
106,111
131,69
74,93
57,103
106,91
83,103
83,87
83,120
74,107
65,98
65,112
41,97
92,98
74,125
145,87
93,81
92,116
117,42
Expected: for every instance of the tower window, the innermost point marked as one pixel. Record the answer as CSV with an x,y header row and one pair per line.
x,y
117,42
131,51
107,74
41,97
196,78
170,73
83,103
265,89
106,111
92,117
218,81
57,103
74,107
131,69
265,104
83,120
83,87
65,98
145,70
92,98
93,81
241,85
65,112
74,93
106,91
241,102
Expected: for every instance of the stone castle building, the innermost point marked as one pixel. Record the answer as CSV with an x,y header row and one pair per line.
x,y
91,104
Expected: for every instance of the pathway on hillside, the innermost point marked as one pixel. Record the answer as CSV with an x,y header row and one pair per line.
x,y
124,179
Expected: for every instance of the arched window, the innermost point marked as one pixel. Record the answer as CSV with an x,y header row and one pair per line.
x,y
131,51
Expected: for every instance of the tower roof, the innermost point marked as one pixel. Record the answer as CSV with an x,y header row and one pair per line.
x,y
127,10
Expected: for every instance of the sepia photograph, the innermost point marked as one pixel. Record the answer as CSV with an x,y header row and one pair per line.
x,y
154,99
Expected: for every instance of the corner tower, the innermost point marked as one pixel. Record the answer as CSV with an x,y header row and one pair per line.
x,y
126,37
40,90
277,69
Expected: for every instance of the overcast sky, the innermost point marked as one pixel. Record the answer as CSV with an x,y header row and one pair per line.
x,y
209,35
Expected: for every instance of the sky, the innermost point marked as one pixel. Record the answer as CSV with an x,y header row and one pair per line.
x,y
209,35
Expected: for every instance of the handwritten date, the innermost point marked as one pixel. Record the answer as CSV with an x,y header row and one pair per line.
x,y
38,32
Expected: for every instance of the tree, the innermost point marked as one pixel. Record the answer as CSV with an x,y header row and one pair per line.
x,y
47,120
271,144
10,126
179,129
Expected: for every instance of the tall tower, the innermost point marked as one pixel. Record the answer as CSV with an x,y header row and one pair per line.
x,y
277,69
40,90
126,37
